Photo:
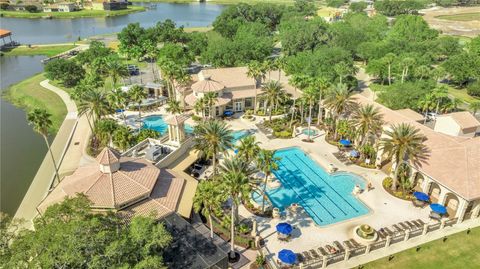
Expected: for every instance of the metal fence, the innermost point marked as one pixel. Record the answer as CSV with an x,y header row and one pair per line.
x,y
415,233
358,251
378,245
450,222
433,227
336,258
397,238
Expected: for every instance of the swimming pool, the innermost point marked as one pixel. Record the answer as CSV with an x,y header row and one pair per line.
x,y
326,198
311,131
157,123
237,135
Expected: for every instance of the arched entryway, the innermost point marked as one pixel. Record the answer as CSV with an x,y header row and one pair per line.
x,y
418,181
451,202
434,191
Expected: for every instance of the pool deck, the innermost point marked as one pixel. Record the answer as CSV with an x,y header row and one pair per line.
x,y
385,210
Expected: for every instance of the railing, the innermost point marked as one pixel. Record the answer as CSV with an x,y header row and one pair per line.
x,y
450,222
397,238
336,258
378,245
416,232
433,227
358,251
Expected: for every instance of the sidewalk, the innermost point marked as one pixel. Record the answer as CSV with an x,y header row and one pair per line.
x,y
69,141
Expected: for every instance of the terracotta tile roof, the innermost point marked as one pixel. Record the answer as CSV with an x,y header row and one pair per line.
x,y
108,156
207,85
413,115
464,119
231,77
452,162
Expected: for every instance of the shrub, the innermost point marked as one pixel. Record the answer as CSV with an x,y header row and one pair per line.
x,y
474,89
335,3
4,6
358,6
260,260
31,8
196,118
387,183
68,72
283,134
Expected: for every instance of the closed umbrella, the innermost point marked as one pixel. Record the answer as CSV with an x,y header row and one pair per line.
x,y
284,228
438,208
287,256
354,154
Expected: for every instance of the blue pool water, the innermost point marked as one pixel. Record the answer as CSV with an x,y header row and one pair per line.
x,y
158,124
326,198
237,135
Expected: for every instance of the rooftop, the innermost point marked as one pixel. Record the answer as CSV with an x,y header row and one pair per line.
x,y
452,162
464,119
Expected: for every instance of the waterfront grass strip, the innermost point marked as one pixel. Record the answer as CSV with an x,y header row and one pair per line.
x,y
28,94
458,251
475,16
70,15
47,50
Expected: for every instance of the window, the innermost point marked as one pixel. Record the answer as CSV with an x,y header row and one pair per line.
x,y
248,102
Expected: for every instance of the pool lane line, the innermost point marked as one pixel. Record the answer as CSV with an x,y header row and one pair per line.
x,y
317,187
328,185
309,193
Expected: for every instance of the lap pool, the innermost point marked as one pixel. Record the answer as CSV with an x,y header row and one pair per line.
x,y
326,198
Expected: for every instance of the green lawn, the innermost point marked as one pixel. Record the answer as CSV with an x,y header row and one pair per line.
x,y
223,2
70,15
47,50
462,95
28,94
461,250
461,17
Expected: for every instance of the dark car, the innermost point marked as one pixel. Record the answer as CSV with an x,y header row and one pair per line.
x,y
133,70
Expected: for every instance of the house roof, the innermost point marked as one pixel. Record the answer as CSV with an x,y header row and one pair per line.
x,y
177,119
453,161
464,119
413,115
108,156
231,77
207,85
4,33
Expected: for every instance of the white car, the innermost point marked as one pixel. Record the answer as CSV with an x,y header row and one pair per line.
x,y
432,116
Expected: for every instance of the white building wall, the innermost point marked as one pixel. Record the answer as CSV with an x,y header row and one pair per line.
x,y
447,125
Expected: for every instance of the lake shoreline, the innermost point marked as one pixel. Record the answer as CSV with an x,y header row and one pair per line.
x,y
220,2
71,15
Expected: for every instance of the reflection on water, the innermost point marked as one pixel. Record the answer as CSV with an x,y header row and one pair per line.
x,y
22,150
38,31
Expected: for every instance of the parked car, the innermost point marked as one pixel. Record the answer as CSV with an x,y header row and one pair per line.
x,y
431,116
133,70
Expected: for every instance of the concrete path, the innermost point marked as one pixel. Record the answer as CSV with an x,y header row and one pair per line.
x,y
69,142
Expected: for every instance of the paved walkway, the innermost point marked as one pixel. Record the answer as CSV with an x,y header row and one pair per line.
x,y
68,145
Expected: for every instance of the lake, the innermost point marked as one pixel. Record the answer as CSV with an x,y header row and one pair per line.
x,y
22,150
42,31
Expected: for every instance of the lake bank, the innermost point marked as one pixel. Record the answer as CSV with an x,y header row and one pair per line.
x,y
48,50
222,2
71,15
28,94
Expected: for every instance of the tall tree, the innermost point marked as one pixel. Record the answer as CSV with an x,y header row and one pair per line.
x,y
236,185
137,94
41,123
208,198
210,99
440,93
299,82
211,138
368,121
403,143
339,100
93,104
257,73
389,59
118,99
474,107
115,70
274,94
200,106
310,95
174,107
248,148
267,163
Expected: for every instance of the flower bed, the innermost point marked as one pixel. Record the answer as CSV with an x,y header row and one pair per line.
x,y
387,184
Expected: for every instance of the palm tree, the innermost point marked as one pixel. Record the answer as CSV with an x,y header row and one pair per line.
x,y
339,100
310,95
423,71
173,106
208,198
122,137
212,137
440,93
115,70
407,62
200,106
273,94
248,148
236,185
118,99
300,82
93,104
137,94
389,59
280,64
425,104
403,143
367,121
41,122
474,106
210,100
322,85
269,66
266,162
257,73
342,69
104,130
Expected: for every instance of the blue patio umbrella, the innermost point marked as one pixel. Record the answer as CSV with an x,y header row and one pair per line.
x,y
438,208
345,142
284,228
354,153
228,113
421,196
120,110
235,151
287,256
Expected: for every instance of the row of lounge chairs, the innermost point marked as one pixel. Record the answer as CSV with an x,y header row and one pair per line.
x,y
336,248
400,228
